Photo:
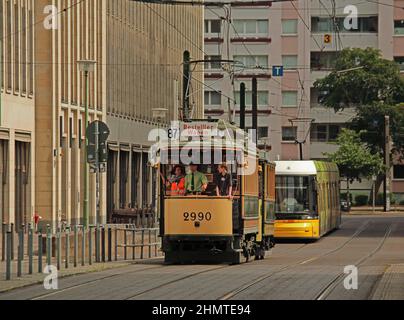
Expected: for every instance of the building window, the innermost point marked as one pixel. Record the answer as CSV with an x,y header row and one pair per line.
x,y
213,26
333,132
322,132
215,64
316,97
289,98
289,62
213,98
262,132
289,133
251,27
262,98
322,25
289,26
400,62
252,61
398,171
322,60
398,26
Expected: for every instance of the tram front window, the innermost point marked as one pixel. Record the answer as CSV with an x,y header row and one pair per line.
x,y
177,179
295,197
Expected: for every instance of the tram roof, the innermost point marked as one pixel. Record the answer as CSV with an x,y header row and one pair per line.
x,y
303,167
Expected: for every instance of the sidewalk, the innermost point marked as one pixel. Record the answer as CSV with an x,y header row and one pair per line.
x,y
391,285
366,210
36,277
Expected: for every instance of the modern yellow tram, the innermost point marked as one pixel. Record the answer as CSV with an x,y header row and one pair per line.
x,y
201,226
307,199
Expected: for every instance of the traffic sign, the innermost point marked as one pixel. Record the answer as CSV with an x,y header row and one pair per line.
x,y
102,129
277,71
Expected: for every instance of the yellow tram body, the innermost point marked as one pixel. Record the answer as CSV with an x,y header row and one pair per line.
x,y
307,199
216,216
207,227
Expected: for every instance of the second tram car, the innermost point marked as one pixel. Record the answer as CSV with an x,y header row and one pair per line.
x,y
307,199
201,226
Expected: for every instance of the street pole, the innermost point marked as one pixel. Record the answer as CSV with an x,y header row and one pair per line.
x,y
301,149
86,181
387,177
97,173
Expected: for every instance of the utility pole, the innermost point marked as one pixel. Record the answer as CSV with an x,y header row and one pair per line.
x,y
387,176
255,107
186,83
242,106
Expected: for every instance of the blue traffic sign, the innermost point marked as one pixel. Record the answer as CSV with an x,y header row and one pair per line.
x,y
277,71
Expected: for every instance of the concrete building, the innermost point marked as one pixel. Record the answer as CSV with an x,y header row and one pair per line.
x,y
138,52
295,35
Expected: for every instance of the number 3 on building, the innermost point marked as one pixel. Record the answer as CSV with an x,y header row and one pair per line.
x,y
327,38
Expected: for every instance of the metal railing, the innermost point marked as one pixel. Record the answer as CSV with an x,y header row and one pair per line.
x,y
72,246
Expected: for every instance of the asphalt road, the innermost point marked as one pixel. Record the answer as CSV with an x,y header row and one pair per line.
x,y
291,271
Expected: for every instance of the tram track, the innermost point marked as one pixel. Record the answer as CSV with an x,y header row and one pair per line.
x,y
240,289
329,288
83,284
230,294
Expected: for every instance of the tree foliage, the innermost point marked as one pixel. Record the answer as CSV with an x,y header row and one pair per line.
x,y
378,80
354,159
369,121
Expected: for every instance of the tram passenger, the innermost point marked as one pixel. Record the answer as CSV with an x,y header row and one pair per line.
x,y
195,181
176,182
223,181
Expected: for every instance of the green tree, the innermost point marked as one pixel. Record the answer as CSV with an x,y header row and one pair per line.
x,y
361,77
373,86
355,160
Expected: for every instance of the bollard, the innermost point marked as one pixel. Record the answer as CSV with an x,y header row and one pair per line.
x,y
97,243
48,245
150,247
90,247
76,243
133,244
40,250
103,244
8,258
59,250
3,241
67,247
12,240
116,244
109,244
20,251
125,243
142,245
83,247
30,248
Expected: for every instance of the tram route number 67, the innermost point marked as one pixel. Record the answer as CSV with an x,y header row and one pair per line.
x,y
200,216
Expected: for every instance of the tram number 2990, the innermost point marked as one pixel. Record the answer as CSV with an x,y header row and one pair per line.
x,y
197,216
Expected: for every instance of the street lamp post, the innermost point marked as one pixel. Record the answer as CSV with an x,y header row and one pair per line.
x,y
159,114
86,66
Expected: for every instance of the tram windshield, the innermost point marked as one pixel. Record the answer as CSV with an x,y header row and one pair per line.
x,y
176,171
295,196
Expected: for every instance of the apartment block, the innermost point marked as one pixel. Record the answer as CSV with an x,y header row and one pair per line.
x,y
301,37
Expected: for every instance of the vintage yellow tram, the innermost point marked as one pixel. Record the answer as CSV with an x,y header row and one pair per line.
x,y
307,199
202,226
